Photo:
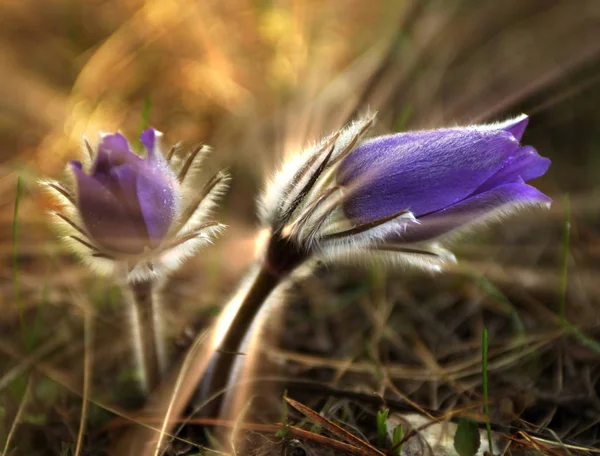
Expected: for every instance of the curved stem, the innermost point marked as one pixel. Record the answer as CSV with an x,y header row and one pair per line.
x,y
221,365
281,259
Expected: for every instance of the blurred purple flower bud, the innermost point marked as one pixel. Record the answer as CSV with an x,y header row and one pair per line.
x,y
446,178
146,213
127,203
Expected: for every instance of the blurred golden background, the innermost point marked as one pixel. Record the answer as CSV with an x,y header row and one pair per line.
x,y
258,79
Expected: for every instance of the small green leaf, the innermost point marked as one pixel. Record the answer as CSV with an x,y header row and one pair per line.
x,y
382,417
467,438
285,427
397,438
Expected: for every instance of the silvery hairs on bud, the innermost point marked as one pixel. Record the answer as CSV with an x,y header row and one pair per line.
x,y
138,218
141,216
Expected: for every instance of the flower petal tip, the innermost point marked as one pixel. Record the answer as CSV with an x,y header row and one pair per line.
x,y
516,126
149,138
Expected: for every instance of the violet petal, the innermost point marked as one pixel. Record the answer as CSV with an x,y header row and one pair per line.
x,y
524,165
517,127
471,210
117,149
124,188
421,171
104,216
157,199
148,139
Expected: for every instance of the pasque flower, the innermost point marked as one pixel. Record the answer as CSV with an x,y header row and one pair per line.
x,y
396,197
137,218
447,178
137,212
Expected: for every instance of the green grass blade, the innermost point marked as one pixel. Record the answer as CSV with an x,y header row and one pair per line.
x,y
146,108
15,239
484,372
493,292
565,262
34,335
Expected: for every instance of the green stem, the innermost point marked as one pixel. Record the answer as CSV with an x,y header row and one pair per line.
x,y
16,278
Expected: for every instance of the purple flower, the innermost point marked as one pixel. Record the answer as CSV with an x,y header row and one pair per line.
x,y
127,204
137,216
446,178
391,199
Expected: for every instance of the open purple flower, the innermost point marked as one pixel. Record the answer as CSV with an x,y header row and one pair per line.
x,y
393,197
138,212
446,178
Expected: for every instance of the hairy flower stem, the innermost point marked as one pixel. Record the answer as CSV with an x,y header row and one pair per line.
x,y
281,260
147,334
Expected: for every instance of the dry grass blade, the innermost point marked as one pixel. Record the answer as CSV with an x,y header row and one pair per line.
x,y
344,448
15,422
65,380
548,446
30,361
366,447
502,359
175,403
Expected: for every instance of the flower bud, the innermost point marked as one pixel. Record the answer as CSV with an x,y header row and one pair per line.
x,y
127,203
144,213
